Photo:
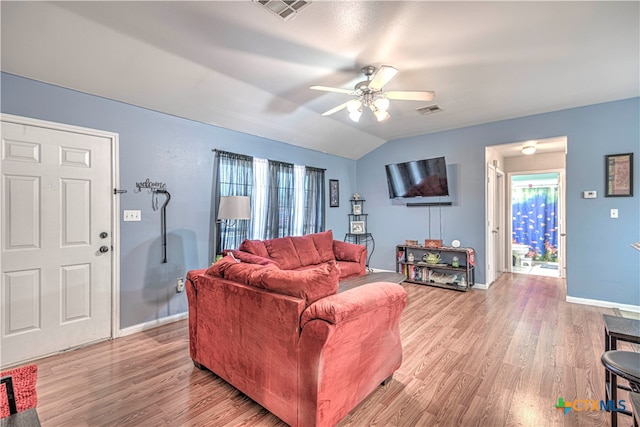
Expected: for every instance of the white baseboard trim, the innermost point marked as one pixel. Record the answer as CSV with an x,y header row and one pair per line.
x,y
152,324
482,286
607,304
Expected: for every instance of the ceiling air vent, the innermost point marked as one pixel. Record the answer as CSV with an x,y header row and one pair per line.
x,y
285,9
429,109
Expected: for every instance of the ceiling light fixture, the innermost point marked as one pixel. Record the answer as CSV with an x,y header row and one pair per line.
x,y
370,94
529,148
355,110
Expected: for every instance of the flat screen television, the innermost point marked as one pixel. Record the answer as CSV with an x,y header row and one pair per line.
x,y
418,178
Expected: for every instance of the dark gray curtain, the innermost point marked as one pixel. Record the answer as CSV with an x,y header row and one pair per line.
x,y
314,200
234,177
280,200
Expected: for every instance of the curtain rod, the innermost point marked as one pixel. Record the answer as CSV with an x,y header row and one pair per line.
x,y
215,150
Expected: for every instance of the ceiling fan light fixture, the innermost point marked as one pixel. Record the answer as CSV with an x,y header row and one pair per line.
x,y
381,115
355,115
529,148
354,106
381,103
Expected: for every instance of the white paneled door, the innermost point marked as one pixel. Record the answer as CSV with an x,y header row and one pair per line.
x,y
56,290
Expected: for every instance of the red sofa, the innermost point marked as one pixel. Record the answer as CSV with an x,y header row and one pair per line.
x,y
305,252
286,339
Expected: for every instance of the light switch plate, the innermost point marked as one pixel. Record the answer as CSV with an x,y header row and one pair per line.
x,y
614,213
132,216
589,194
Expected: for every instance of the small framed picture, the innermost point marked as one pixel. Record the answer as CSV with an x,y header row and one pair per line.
x,y
357,227
618,175
334,193
357,209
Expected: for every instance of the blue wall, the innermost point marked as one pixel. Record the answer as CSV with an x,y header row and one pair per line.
x,y
175,151
600,263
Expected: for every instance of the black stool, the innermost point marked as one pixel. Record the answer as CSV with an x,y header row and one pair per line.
x,y
624,364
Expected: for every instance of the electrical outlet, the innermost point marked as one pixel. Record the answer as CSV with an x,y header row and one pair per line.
x,y
179,285
132,216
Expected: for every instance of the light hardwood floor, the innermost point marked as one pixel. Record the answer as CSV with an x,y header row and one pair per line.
x,y
500,357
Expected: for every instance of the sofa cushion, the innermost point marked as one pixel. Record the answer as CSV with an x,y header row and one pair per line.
x,y
218,268
349,269
283,252
324,245
251,258
232,269
255,247
306,249
347,251
311,284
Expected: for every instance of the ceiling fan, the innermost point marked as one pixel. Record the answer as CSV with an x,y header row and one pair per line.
x,y
371,95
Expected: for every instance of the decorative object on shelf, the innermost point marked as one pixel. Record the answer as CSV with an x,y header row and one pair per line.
x,y
431,258
618,175
444,278
410,257
411,242
432,243
356,227
334,193
358,233
455,243
455,262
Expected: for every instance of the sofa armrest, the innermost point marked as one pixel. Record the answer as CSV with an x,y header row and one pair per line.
x,y
349,344
345,251
346,305
191,287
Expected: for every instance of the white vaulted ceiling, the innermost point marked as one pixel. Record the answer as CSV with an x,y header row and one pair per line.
x,y
236,65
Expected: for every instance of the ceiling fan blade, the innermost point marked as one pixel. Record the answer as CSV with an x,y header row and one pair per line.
x,y
411,95
336,109
383,75
333,89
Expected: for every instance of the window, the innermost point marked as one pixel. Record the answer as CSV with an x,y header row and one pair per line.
x,y
286,199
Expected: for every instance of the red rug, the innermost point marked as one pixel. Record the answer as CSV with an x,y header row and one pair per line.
x,y
24,388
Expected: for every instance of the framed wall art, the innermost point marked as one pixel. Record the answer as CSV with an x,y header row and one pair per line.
x,y
618,175
356,227
334,193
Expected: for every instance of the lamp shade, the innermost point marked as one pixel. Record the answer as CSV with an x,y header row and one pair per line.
x,y
234,207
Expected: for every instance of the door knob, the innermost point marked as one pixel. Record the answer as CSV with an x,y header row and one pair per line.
x,y
104,249
104,235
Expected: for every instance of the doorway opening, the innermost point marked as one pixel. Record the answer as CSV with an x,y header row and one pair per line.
x,y
535,227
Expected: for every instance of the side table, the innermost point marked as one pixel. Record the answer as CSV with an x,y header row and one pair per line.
x,y
617,329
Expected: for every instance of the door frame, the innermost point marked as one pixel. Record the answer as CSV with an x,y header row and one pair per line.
x,y
115,201
500,189
561,214
490,240
494,223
